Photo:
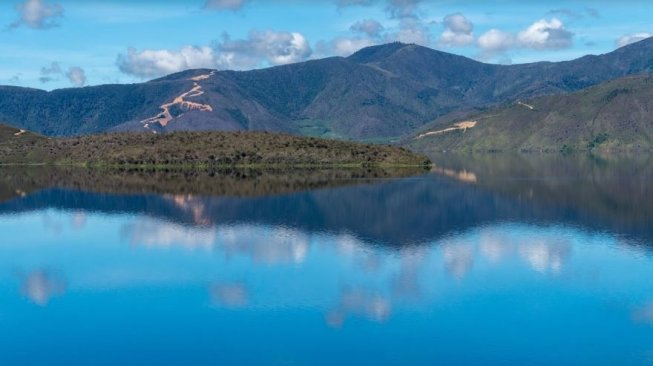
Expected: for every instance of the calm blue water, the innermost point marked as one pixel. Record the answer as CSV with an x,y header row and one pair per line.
x,y
498,266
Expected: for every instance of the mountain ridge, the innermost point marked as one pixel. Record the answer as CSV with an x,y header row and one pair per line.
x,y
378,93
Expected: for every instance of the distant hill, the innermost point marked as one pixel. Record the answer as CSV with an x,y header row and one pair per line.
x,y
207,149
616,115
378,93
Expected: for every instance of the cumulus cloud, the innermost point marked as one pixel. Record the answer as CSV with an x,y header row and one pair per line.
x,y
49,73
495,41
77,76
277,48
38,14
260,48
546,34
541,35
343,46
632,38
153,63
369,27
366,33
399,9
458,30
411,30
230,5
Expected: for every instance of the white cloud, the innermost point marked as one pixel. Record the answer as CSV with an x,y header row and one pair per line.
x,y
546,34
219,5
494,41
277,48
541,35
38,14
458,30
370,27
411,30
77,76
632,38
259,49
343,46
152,63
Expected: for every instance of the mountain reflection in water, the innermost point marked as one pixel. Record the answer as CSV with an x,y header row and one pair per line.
x,y
483,260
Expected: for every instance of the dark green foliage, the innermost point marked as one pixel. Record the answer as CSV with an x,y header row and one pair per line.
x,y
598,140
197,149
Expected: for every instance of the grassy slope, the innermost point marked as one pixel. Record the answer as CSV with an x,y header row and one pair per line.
x,y
615,115
198,149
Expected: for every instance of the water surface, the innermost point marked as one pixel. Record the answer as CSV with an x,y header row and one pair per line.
x,y
488,260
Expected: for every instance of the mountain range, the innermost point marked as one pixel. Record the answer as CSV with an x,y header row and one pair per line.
x,y
380,93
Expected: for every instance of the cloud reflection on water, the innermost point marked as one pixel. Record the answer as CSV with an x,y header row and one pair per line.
x,y
356,279
267,245
40,286
359,302
541,250
230,294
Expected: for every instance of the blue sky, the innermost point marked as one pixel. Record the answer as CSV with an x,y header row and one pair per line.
x,y
51,44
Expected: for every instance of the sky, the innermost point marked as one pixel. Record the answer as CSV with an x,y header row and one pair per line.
x,y
50,44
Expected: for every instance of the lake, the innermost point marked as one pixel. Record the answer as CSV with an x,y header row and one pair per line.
x,y
488,260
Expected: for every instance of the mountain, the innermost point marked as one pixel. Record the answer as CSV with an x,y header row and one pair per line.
x,y
616,115
380,92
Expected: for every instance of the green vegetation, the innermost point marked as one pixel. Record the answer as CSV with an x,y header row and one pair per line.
x,y
198,149
615,116
598,140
